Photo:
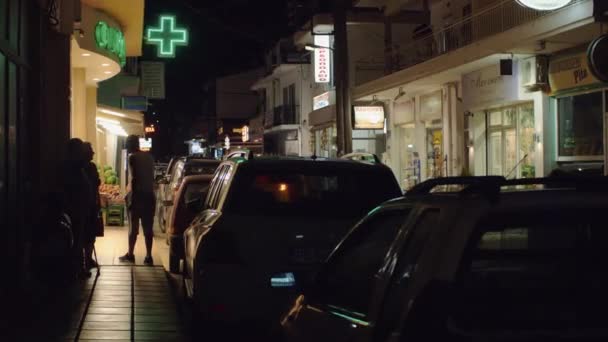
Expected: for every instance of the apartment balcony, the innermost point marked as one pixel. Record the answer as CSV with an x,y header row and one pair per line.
x,y
506,27
282,118
490,22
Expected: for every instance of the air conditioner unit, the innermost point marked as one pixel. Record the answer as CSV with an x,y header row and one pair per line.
x,y
534,73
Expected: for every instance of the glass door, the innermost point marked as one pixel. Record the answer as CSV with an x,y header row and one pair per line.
x,y
511,141
409,160
495,153
435,164
496,144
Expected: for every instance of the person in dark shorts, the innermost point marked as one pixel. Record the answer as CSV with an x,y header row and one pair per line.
x,y
140,198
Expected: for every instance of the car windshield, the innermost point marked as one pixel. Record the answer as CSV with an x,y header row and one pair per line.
x,y
330,193
541,270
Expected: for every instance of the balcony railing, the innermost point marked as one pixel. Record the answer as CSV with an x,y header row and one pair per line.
x,y
283,115
496,19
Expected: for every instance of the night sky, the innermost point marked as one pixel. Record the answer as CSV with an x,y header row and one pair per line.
x,y
226,36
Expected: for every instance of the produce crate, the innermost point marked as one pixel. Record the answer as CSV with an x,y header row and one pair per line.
x,y
115,215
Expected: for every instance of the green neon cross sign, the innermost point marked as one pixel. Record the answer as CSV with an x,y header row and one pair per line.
x,y
167,36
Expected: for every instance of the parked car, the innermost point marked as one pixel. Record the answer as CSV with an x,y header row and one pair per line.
x,y
183,167
267,220
484,263
188,202
162,181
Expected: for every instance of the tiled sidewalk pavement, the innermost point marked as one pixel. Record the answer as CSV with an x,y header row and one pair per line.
x,y
129,303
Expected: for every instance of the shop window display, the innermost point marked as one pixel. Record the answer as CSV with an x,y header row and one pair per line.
x,y
503,142
435,159
324,142
409,159
580,126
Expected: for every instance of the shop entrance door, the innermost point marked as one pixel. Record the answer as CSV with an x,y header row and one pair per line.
x,y
435,160
409,157
510,141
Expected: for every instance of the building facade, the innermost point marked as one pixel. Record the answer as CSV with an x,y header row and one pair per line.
x,y
283,93
42,105
501,90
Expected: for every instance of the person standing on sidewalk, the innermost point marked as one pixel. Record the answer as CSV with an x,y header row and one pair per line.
x,y
76,200
140,198
94,224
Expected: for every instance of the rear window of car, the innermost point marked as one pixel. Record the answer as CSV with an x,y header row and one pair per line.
x,y
193,190
200,168
541,270
330,193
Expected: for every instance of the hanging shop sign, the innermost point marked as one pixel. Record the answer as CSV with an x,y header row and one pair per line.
x,y
544,5
145,144
150,129
431,106
322,59
139,103
368,117
153,80
597,57
245,133
488,87
320,101
403,112
112,40
570,72
167,36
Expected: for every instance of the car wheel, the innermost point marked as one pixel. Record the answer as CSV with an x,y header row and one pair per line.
x,y
174,262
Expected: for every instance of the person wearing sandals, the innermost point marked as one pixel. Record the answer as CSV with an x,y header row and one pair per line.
x,y
140,198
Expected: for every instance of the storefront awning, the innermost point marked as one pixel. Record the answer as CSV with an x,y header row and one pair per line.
x,y
322,116
119,121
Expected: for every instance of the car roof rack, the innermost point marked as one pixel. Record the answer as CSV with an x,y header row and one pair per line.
x,y
242,153
599,183
427,186
492,185
361,156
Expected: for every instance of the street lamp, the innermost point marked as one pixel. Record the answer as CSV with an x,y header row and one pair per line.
x,y
544,5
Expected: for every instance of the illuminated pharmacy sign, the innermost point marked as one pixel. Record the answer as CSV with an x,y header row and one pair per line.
x,y
167,36
112,40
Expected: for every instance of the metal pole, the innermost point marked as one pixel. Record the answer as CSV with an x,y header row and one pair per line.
x,y
341,79
388,47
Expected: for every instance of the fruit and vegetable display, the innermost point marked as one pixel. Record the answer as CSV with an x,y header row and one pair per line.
x,y
110,186
107,175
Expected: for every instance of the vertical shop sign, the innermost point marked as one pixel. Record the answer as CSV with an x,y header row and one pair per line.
x,y
153,80
322,59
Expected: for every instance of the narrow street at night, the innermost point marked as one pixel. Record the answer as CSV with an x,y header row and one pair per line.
x,y
304,170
